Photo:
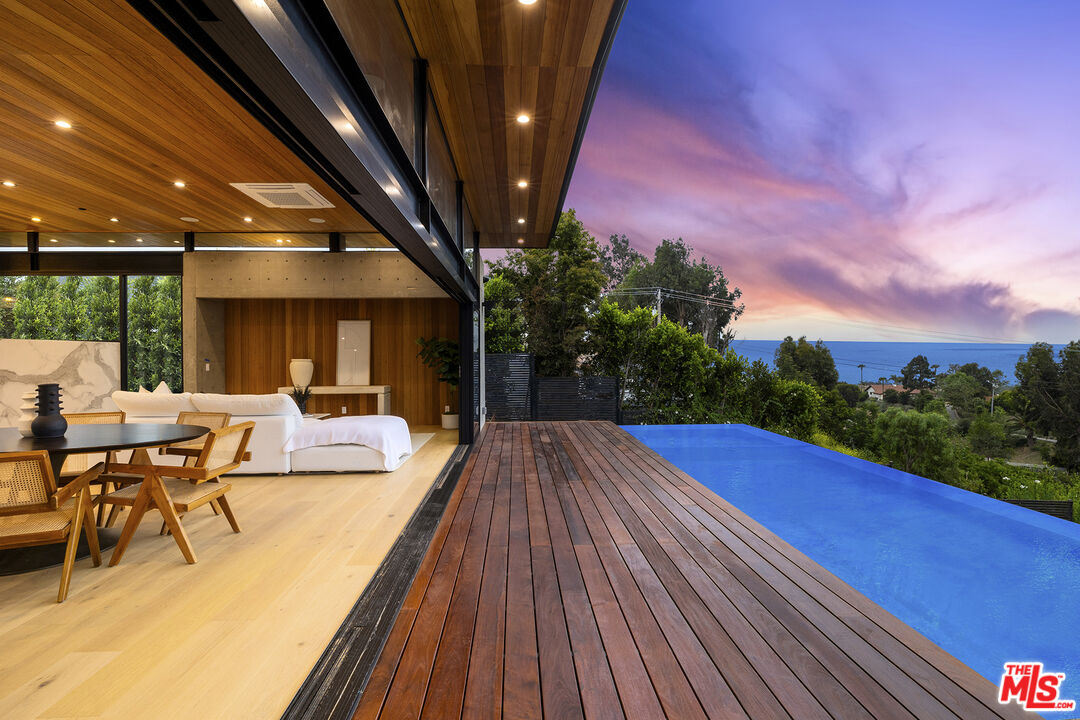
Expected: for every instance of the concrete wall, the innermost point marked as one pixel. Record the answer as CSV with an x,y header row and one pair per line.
x,y
212,277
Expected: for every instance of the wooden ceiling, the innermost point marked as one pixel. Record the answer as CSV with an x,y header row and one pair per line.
x,y
143,116
490,60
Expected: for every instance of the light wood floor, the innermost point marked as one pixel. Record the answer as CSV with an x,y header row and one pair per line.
x,y
230,637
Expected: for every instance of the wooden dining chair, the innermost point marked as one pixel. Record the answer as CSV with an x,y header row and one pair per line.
x,y
175,491
212,420
77,464
34,512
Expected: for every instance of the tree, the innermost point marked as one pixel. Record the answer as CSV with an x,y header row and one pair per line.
x,y
559,287
1048,394
987,435
805,362
101,298
916,443
918,374
167,351
983,375
852,394
701,301
8,292
71,312
617,259
36,311
963,392
141,330
504,324
891,396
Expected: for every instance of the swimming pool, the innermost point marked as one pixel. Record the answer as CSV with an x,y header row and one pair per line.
x,y
987,581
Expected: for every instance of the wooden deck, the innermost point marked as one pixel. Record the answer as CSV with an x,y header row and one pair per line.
x,y
578,574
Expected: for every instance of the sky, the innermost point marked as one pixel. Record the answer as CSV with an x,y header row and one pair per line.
x,y
861,170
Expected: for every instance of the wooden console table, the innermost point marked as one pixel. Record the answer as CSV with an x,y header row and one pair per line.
x,y
381,391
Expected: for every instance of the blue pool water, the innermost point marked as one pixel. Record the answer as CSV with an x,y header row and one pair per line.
x,y
987,581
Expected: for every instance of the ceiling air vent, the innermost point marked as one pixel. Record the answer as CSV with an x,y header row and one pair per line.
x,y
288,196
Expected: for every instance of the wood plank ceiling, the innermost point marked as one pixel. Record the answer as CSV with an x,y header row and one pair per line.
x,y
490,60
143,116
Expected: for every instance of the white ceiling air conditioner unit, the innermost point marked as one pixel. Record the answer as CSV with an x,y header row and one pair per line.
x,y
287,196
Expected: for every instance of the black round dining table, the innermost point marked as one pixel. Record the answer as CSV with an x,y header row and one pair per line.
x,y
77,440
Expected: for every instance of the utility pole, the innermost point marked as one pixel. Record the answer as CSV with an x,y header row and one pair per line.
x,y
659,308
861,366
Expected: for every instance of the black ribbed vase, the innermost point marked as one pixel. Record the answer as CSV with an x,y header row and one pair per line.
x,y
49,422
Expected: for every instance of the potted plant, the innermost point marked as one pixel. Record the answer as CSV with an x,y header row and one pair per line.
x,y
444,357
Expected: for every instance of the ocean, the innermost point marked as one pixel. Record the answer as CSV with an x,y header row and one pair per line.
x,y
887,358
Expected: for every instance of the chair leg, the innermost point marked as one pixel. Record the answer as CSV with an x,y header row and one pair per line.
x,y
106,488
227,511
72,546
90,528
215,507
142,502
168,512
113,514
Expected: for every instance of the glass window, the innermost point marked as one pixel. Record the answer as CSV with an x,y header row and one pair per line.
x,y
47,307
441,175
12,241
262,241
154,332
380,42
97,242
367,241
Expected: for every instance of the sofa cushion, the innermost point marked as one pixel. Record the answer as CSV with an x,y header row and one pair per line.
x,y
269,404
163,389
153,404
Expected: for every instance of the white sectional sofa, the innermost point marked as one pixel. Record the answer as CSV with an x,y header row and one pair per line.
x,y
340,445
276,419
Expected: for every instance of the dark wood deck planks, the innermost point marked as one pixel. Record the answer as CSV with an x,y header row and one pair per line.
x,y
578,574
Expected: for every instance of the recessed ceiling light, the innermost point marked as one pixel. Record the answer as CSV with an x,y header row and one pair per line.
x,y
280,241
288,240
523,118
521,241
521,221
53,240
111,240
176,242
527,2
63,124
523,183
189,219
8,183
114,219
138,239
35,219
247,219
316,220
179,183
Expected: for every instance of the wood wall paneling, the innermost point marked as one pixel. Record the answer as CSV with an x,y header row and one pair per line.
x,y
263,335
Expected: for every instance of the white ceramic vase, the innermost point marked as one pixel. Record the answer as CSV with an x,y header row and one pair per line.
x,y
27,413
301,370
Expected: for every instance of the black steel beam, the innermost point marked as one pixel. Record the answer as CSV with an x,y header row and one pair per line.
x,y
465,389
222,41
122,316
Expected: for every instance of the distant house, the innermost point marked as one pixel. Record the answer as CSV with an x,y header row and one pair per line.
x,y
876,391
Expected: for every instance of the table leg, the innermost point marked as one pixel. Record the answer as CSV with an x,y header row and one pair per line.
x,y
383,407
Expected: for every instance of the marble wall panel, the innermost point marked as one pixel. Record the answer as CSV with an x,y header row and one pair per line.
x,y
88,372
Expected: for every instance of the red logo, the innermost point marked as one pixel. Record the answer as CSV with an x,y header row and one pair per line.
x,y
1028,685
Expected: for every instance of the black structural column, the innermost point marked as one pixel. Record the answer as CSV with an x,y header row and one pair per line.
x,y
465,390
123,318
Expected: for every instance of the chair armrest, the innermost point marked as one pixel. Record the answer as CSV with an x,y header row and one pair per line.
x,y
186,452
62,495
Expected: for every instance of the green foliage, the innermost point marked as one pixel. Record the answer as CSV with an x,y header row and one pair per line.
x,y
834,412
963,392
987,435
916,443
559,288
852,394
983,375
792,409
504,324
617,259
672,268
810,363
443,356
1048,397
918,374
891,397
615,341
